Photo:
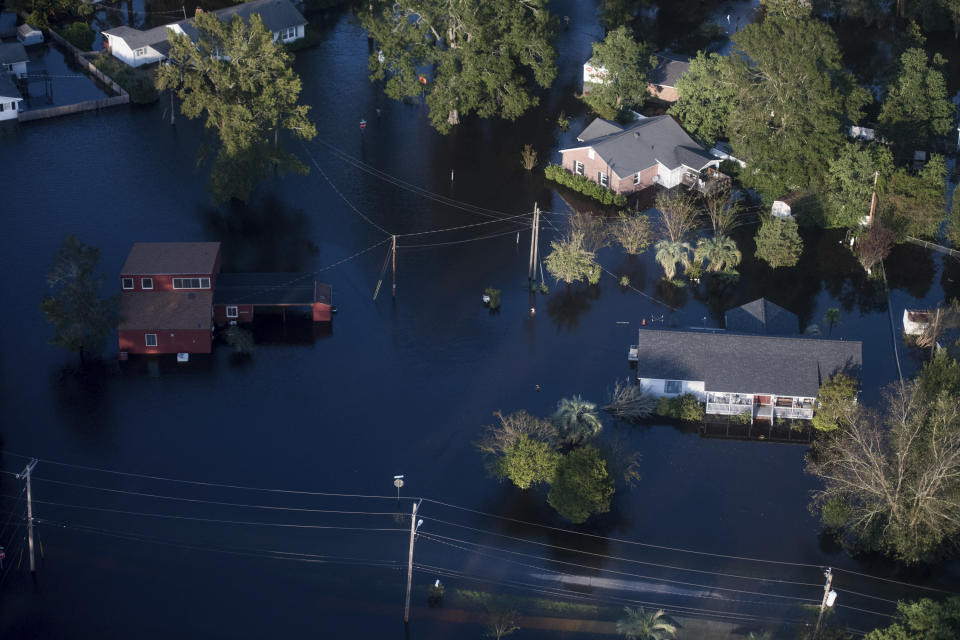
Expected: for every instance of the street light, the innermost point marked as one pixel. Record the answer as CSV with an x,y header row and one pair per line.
x,y
398,482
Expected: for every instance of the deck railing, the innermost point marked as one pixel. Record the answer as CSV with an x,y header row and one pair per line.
x,y
725,409
793,412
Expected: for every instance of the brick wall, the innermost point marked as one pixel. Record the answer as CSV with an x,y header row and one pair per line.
x,y
592,166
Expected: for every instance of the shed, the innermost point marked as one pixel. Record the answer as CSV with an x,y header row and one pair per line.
x,y
915,321
10,98
784,207
28,35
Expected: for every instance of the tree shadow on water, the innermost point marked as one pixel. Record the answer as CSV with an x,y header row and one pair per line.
x,y
264,235
81,396
567,304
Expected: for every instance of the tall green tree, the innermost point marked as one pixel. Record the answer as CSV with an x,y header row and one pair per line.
x,y
528,462
708,92
778,242
721,254
626,64
924,618
837,397
638,624
850,180
619,13
241,80
913,204
46,13
916,108
465,56
576,419
569,262
81,318
582,486
670,253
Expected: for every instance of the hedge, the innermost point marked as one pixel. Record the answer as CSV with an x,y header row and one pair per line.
x,y
686,407
136,82
583,185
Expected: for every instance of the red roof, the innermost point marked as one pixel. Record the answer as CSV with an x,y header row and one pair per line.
x,y
161,310
171,258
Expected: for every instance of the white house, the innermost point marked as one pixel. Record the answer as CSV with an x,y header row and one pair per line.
x,y
10,98
137,48
13,59
915,321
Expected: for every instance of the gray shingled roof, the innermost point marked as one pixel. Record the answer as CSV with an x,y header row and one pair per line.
x,y
762,316
135,38
11,52
7,88
643,144
171,258
668,71
734,362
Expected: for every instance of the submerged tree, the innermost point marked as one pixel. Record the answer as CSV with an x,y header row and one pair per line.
x,y
80,317
874,245
669,254
721,254
634,233
678,214
500,619
630,402
925,618
913,204
569,262
582,485
467,56
849,185
623,65
724,212
831,318
638,624
778,242
241,79
708,92
576,419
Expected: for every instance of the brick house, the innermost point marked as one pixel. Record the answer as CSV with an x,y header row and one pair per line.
x,y
628,159
663,77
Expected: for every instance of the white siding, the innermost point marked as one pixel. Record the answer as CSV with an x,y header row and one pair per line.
x,y
656,387
9,108
134,58
669,178
18,69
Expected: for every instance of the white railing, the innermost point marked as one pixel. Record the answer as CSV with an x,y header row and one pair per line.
x,y
728,409
793,413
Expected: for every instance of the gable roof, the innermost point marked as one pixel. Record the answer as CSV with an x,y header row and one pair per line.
x,y
12,52
165,310
643,144
668,71
171,258
762,316
734,362
8,89
135,38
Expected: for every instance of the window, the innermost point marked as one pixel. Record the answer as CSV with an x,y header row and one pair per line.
x,y
151,339
578,167
289,33
603,179
590,154
191,283
127,283
672,386
232,312
142,51
146,283
636,178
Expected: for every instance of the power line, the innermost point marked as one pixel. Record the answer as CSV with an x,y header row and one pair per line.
x,y
443,244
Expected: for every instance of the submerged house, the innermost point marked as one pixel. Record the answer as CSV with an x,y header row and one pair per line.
x,y
626,159
137,48
13,59
10,98
759,365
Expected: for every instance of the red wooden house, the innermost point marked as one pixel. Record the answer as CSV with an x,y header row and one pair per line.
x,y
167,297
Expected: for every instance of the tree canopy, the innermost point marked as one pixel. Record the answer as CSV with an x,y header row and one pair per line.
x,y
849,183
925,619
582,485
241,79
778,242
707,95
465,56
569,262
528,462
913,204
625,64
916,108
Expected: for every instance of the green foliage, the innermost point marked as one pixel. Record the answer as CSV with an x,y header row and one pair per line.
x,y
435,594
670,253
624,281
640,625
634,232
925,619
494,297
79,34
576,419
528,462
136,82
914,205
582,485
499,439
744,417
569,262
476,56
686,407
241,79
836,398
940,375
778,242
528,157
626,65
917,107
707,97
43,14
831,318
240,339
618,13
721,253
563,121
544,289
584,185
500,619
834,514
953,220
849,183
81,318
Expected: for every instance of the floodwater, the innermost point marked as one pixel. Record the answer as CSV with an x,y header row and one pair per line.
x,y
398,386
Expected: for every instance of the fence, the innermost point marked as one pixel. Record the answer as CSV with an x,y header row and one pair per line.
x,y
86,64
67,109
934,247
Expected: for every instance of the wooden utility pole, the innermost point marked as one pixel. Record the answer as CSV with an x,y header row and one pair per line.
x,y
26,474
823,603
413,535
534,227
393,250
873,198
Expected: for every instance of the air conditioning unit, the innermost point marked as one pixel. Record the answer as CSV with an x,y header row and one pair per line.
x,y
183,357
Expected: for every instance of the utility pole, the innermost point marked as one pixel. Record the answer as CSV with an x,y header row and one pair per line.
x,y
26,474
413,533
394,252
873,198
532,267
827,600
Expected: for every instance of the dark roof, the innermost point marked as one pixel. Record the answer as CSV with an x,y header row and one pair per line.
x,y
668,71
762,316
276,14
642,144
171,258
8,24
266,289
11,52
7,88
156,37
165,310
733,362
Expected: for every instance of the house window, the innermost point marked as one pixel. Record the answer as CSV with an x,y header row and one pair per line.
x,y
127,283
636,178
151,339
146,283
590,154
289,33
232,312
603,179
142,51
672,386
578,167
191,283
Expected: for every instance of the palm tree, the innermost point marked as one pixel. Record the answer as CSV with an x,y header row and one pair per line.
x,y
577,419
669,253
721,252
640,625
831,318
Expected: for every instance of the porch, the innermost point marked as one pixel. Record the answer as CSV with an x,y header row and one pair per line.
x,y
729,404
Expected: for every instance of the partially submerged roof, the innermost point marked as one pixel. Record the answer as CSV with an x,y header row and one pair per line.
x,y
8,89
171,258
733,362
276,14
669,70
762,316
267,289
643,144
12,52
165,310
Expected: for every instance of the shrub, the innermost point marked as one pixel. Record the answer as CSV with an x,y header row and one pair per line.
x,y
685,407
582,485
494,297
730,168
528,157
583,185
544,289
136,82
744,417
624,281
563,121
240,339
79,34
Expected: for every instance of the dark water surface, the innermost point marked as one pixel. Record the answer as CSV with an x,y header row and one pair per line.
x,y
395,387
